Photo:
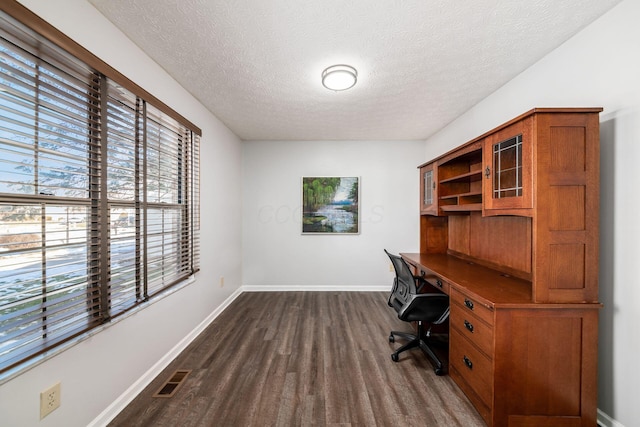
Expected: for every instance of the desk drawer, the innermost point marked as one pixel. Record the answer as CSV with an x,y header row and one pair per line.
x,y
472,305
475,368
474,329
435,280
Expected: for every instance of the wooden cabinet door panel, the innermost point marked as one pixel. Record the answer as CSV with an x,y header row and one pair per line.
x,y
429,189
547,357
508,171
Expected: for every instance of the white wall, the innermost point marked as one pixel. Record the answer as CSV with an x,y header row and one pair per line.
x,y
97,371
598,67
277,255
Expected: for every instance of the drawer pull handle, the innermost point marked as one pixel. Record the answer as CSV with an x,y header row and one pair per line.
x,y
439,283
468,325
468,303
467,362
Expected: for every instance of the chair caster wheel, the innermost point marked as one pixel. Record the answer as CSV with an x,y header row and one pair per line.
x,y
439,371
392,338
394,357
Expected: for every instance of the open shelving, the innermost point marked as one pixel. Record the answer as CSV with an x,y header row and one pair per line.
x,y
460,183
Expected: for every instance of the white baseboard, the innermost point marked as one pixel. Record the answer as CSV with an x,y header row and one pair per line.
x,y
319,288
606,421
137,387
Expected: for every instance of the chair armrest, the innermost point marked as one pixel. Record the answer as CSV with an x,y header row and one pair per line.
x,y
420,281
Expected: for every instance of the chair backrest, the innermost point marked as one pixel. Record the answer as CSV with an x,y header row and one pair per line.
x,y
404,285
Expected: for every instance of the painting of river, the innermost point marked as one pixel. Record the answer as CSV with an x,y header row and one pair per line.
x,y
330,205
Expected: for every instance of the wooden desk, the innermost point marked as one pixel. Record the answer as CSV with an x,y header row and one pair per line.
x,y
509,229
520,363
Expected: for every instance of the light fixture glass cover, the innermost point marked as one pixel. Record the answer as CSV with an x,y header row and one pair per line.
x,y
339,77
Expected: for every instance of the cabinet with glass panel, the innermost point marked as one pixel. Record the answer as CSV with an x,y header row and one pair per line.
x,y
508,169
428,189
499,172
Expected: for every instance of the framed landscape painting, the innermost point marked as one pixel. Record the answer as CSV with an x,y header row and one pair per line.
x,y
330,205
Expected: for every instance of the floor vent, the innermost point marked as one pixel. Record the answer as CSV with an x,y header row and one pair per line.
x,y
172,385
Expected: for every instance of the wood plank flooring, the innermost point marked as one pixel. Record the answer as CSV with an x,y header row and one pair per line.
x,y
303,359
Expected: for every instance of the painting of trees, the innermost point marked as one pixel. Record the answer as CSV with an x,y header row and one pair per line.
x,y
330,205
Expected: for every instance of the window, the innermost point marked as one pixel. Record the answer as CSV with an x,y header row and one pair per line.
x,y
98,196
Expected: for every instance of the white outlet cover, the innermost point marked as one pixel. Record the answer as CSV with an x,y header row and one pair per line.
x,y
49,400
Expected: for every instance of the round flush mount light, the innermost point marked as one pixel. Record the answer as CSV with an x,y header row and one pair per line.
x,y
339,77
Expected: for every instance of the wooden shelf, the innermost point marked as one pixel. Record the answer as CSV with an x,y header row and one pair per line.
x,y
462,202
460,181
465,177
471,193
462,208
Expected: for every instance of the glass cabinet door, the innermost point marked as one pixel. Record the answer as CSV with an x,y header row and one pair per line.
x,y
507,168
428,190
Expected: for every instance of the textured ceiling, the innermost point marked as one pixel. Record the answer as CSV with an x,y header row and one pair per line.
x,y
256,64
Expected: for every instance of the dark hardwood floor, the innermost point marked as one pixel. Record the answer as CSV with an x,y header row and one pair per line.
x,y
303,359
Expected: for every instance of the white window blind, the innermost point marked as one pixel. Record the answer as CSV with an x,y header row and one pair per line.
x,y
98,197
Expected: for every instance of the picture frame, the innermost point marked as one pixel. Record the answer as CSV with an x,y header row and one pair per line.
x,y
330,205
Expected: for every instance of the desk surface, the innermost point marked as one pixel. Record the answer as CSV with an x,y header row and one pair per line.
x,y
494,287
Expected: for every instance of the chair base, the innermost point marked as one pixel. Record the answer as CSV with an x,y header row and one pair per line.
x,y
416,341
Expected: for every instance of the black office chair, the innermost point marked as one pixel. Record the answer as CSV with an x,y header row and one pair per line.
x,y
412,306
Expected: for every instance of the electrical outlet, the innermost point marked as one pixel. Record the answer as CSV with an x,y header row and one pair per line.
x,y
222,281
49,400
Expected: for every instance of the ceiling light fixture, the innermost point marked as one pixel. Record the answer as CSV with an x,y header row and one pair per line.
x,y
339,77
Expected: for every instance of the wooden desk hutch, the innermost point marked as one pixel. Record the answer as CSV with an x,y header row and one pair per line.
x,y
509,229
